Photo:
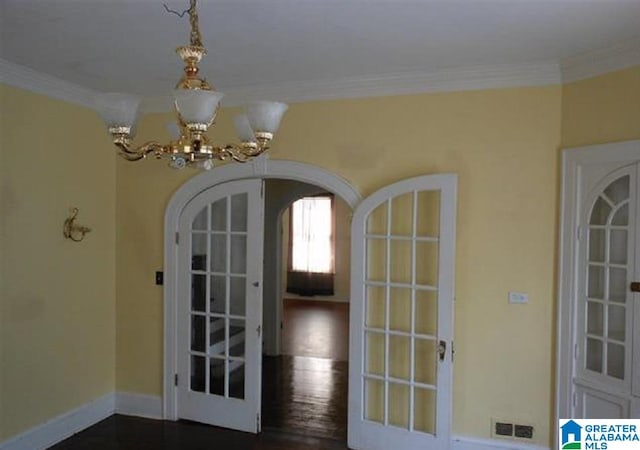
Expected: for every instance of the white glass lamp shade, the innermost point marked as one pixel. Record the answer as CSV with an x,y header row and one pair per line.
x,y
118,110
243,128
196,105
265,117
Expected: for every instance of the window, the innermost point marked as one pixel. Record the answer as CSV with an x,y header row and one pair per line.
x,y
311,260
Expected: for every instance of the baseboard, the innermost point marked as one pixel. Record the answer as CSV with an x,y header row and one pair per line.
x,y
139,405
61,427
470,443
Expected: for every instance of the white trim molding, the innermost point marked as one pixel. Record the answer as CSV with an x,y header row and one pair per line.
x,y
25,78
470,443
63,426
597,62
138,405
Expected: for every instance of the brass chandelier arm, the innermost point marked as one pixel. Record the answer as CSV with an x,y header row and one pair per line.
x,y
140,152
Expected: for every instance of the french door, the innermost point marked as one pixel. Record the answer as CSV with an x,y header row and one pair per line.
x,y
220,306
401,348
607,346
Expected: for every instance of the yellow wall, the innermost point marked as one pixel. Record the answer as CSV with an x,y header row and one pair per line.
x,y
503,144
57,314
602,109
342,253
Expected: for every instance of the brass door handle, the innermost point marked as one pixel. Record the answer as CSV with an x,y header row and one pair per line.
x,y
635,286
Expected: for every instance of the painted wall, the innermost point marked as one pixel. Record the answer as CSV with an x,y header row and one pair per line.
x,y
57,297
503,144
342,254
602,109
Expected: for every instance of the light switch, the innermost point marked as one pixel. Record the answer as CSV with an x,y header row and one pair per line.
x,y
518,297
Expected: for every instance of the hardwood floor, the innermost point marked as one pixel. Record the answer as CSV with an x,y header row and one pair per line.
x,y
305,390
304,403
316,328
134,433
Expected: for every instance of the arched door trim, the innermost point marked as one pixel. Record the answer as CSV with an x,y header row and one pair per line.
x,y
260,168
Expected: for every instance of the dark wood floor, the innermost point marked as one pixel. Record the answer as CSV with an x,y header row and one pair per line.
x,y
304,397
316,328
134,433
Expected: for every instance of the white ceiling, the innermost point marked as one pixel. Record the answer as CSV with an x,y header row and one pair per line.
x,y
127,46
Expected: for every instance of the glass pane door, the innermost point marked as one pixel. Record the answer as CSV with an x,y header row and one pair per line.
x,y
219,323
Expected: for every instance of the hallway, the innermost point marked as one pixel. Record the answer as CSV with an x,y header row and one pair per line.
x,y
305,390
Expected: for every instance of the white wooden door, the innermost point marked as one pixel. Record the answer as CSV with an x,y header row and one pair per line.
x,y
402,289
606,373
220,306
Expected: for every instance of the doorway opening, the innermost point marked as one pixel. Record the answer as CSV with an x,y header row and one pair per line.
x,y
306,341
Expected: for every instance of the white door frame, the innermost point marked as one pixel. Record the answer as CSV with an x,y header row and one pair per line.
x,y
572,161
261,167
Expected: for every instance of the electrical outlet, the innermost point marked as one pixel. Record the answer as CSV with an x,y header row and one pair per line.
x,y
518,298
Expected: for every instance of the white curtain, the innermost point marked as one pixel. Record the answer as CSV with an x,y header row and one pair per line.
x,y
312,249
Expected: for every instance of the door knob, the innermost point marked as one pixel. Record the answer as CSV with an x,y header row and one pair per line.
x,y
635,286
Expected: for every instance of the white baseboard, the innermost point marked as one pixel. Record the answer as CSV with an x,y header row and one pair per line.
x,y
61,427
469,443
138,405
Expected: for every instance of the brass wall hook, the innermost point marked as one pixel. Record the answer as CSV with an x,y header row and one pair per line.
x,y
73,231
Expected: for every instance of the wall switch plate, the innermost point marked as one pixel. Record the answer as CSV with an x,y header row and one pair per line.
x,y
518,298
159,278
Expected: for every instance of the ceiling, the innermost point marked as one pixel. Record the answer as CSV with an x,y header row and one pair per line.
x,y
270,46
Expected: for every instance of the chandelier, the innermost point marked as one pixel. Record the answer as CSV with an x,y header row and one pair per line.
x,y
196,104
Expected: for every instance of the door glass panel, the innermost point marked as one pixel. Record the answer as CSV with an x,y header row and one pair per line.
x,y
239,212
198,374
595,318
236,379
219,215
596,245
428,214
377,220
426,312
374,400
376,259
239,254
400,309
218,294
600,212
219,253
198,251
594,355
616,319
198,292
426,361
621,217
617,285
375,309
400,261
198,333
236,337
216,376
427,263
615,360
399,405
424,415
217,336
618,191
402,215
618,247
238,295
400,357
374,344
596,282
200,222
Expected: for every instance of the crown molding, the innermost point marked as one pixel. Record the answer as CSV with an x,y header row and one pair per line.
x,y
25,78
398,83
597,62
